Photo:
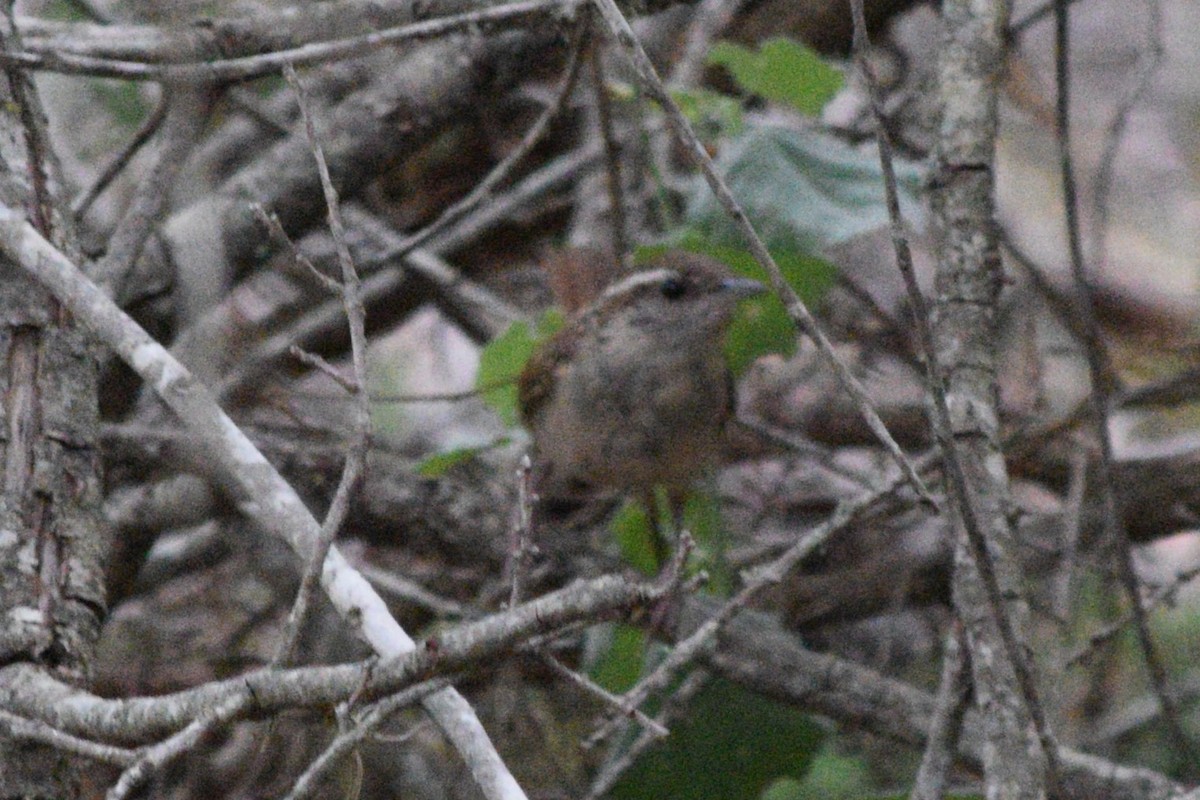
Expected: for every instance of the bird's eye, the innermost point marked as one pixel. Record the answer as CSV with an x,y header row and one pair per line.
x,y
672,288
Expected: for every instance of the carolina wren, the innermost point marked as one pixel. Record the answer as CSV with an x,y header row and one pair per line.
x,y
634,391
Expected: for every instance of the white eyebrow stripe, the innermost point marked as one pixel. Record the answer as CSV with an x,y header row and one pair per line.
x,y
643,278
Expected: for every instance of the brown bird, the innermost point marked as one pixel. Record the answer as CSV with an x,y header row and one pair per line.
x,y
634,391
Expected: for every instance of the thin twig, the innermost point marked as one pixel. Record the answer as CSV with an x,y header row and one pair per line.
x,y
83,201
1060,303
345,742
32,730
356,455
1160,595
481,313
400,587
802,446
891,325
961,489
946,723
796,308
1099,398
22,93
1143,79
612,158
591,687
324,367
437,397
246,101
499,173
674,707
1072,528
708,19
521,546
257,66
270,221
171,748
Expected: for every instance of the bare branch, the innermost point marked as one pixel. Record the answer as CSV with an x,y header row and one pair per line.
x,y
356,456
257,66
591,687
952,701
83,201
1100,397
967,438
30,730
612,156
461,647
260,491
187,111
367,723
155,758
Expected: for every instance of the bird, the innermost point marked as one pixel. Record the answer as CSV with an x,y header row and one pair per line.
x,y
634,391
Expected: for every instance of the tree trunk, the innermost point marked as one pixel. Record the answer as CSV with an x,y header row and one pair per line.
x,y
52,538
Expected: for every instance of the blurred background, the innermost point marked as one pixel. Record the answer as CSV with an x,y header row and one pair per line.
x,y
768,84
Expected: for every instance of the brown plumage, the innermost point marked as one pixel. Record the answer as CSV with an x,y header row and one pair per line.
x,y
634,391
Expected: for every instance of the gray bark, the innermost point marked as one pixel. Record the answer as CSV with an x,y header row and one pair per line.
x,y
968,282
52,539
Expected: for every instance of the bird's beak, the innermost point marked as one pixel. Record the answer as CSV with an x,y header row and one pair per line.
x,y
742,287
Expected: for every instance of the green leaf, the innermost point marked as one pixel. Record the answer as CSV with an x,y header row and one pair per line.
x,y
804,190
782,70
711,113
123,101
762,324
731,746
621,665
438,464
833,776
635,537
783,789
702,518
502,360
500,365
63,10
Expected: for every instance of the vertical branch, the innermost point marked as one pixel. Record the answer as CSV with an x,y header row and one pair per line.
x,y
947,719
521,546
961,376
350,289
54,538
612,158
1148,66
186,113
968,284
257,488
796,309
1102,385
150,125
